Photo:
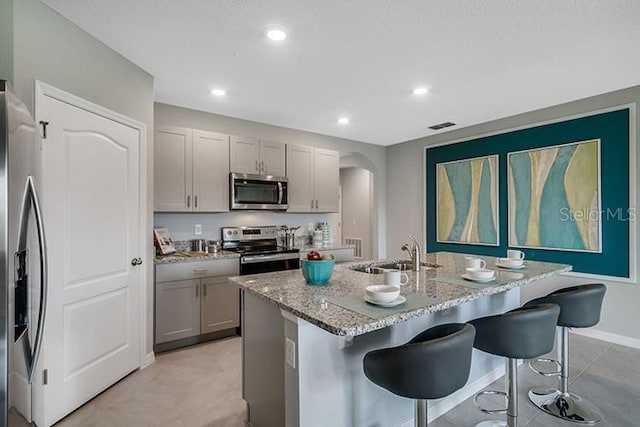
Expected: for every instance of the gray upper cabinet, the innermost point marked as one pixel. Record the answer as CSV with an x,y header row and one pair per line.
x,y
210,171
257,156
191,170
326,180
313,179
172,169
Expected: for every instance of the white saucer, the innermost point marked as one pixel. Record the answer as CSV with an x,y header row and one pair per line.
x,y
517,267
473,279
393,303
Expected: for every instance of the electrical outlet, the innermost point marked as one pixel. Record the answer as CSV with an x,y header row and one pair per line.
x,y
198,230
290,352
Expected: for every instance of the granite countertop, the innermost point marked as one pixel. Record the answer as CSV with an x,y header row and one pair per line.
x,y
290,292
193,256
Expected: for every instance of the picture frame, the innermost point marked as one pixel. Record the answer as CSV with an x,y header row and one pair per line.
x,y
467,201
554,197
163,241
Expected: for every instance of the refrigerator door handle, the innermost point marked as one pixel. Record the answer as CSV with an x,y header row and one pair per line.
x,y
30,201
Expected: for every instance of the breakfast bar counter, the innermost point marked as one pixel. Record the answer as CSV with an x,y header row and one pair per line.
x,y
303,345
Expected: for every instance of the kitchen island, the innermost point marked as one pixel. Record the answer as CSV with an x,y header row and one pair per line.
x,y
303,345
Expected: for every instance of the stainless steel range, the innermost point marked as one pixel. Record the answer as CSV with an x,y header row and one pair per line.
x,y
259,250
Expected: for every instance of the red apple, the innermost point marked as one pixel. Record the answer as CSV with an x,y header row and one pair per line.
x,y
313,256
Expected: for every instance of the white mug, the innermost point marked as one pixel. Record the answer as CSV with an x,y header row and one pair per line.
x,y
515,254
473,262
393,277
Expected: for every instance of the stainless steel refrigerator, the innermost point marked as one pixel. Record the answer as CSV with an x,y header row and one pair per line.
x,y
23,264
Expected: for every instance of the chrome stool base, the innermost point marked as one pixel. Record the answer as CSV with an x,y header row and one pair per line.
x,y
566,406
492,423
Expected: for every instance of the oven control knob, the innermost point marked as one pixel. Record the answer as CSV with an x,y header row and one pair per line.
x,y
235,232
228,232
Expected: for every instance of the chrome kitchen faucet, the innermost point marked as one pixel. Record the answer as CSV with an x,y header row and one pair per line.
x,y
414,252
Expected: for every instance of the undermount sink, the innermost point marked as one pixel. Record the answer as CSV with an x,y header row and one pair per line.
x,y
378,268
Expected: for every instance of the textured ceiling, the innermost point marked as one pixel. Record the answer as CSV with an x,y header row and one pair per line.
x,y
482,60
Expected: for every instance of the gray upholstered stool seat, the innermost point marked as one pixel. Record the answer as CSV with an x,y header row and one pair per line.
x,y
432,365
580,307
522,333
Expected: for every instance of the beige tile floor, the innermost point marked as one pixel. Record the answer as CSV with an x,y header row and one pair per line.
x,y
197,386
200,386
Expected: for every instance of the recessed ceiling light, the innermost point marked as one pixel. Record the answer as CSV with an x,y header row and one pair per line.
x,y
343,120
420,91
276,34
218,92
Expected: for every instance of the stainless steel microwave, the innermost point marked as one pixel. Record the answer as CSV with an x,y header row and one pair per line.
x,y
258,192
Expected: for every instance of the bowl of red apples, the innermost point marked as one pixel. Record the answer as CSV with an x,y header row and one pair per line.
x,y
316,268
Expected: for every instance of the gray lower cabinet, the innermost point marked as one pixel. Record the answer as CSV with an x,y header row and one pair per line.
x,y
220,305
195,298
177,310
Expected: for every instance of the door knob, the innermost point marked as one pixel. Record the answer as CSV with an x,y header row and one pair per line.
x,y
136,261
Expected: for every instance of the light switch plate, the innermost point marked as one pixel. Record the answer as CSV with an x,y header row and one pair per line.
x,y
290,352
198,230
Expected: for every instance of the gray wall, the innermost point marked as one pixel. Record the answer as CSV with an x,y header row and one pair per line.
x,y
405,201
6,40
372,155
356,207
49,48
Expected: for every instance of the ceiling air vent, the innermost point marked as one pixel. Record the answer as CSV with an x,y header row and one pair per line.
x,y
442,125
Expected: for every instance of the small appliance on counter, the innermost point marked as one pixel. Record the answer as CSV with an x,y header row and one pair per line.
x,y
199,245
215,246
289,236
259,250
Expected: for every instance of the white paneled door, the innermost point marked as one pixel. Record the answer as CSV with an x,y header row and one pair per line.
x,y
91,204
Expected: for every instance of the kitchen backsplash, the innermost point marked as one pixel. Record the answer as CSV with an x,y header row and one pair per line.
x,y
182,225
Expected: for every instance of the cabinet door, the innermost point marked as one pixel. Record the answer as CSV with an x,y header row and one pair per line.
x,y
245,155
210,171
172,169
272,158
326,180
300,173
220,304
177,310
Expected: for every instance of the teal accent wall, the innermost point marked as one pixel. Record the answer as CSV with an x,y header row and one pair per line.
x,y
612,128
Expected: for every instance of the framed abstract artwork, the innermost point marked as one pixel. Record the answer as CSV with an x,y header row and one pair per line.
x,y
554,197
467,201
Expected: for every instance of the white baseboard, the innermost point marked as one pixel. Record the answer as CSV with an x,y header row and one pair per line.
x,y
149,358
609,337
447,403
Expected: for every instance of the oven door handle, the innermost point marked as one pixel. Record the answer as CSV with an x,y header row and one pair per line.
x,y
280,193
253,259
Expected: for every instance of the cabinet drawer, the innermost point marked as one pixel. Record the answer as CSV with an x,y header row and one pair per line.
x,y
197,270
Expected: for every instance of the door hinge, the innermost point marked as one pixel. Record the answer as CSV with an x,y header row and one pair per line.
x,y
45,376
44,125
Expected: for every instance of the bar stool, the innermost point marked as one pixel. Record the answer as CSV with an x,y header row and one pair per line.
x,y
580,307
523,333
432,365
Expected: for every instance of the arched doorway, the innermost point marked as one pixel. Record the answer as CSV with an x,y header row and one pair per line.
x,y
357,220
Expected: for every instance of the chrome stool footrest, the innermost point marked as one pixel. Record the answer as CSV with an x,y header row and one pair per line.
x,y
558,364
566,406
491,411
